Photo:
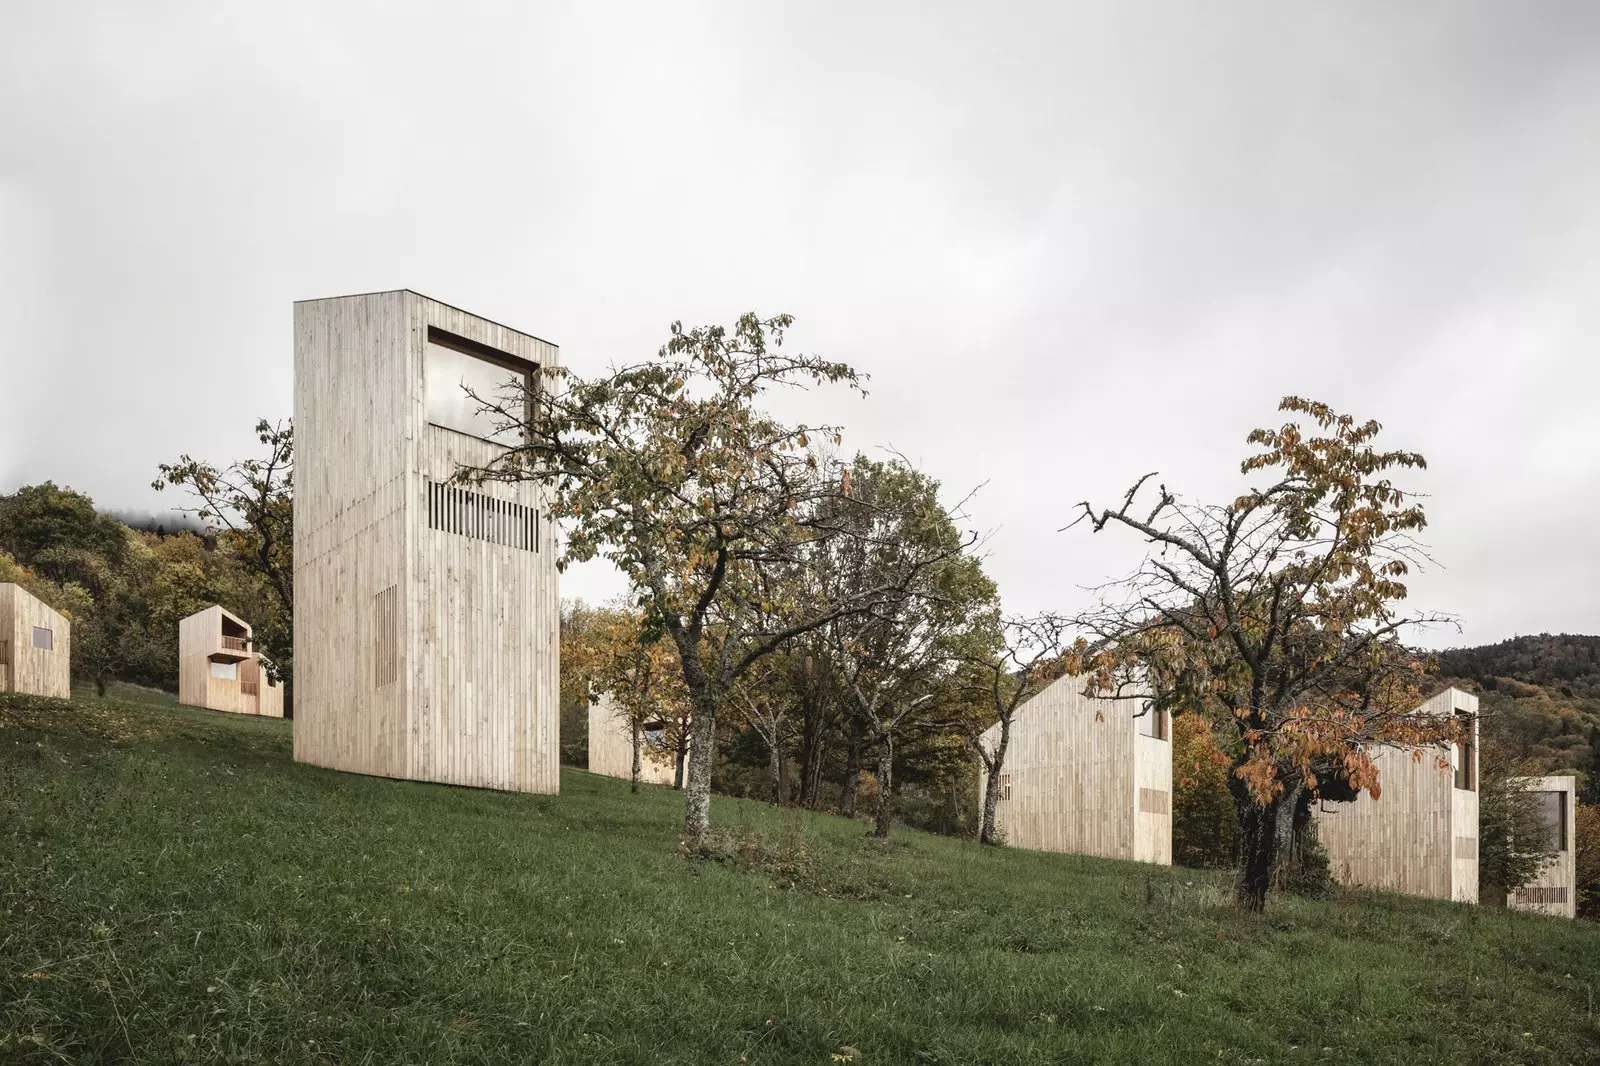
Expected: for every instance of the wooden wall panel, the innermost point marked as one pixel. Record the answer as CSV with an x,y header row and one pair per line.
x,y
1555,890
1072,778
37,671
611,748
1420,837
454,675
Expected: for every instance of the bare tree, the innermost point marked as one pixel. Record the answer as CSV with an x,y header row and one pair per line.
x,y
1275,615
1024,656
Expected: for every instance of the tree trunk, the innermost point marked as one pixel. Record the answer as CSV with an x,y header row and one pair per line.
x,y
1258,841
987,833
775,766
880,828
852,773
100,683
638,755
1283,844
697,791
683,753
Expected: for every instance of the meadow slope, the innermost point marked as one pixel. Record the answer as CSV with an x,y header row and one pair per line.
x,y
173,888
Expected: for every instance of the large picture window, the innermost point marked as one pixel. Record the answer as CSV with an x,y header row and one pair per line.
x,y
1553,820
455,370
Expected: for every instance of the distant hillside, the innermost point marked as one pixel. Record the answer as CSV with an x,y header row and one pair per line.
x,y
1540,697
1568,663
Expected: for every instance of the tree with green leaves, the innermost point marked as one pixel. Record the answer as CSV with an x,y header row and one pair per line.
x,y
670,469
1277,615
249,504
899,661
1513,845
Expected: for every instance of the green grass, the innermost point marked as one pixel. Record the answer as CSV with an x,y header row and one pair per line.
x,y
173,888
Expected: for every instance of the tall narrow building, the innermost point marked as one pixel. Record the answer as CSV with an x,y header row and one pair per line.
x,y
426,612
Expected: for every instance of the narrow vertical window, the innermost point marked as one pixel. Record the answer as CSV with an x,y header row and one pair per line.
x,y
1466,752
386,637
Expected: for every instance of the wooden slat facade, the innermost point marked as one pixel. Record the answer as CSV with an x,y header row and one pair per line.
x,y
1420,837
611,748
1081,776
425,613
25,665
1555,890
202,640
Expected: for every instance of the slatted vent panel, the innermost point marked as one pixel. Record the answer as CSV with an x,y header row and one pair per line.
x,y
1540,895
386,637
452,509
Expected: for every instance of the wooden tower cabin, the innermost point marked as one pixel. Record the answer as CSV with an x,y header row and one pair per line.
x,y
1086,775
611,746
1554,891
1420,837
35,645
425,626
219,668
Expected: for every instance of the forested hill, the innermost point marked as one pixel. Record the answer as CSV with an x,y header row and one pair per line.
x,y
1564,662
1540,698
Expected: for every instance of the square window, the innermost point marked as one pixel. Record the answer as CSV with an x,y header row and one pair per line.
x,y
43,638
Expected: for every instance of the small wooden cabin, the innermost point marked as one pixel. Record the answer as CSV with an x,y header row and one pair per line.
x,y
1420,837
1555,890
1086,775
426,611
611,746
35,645
220,669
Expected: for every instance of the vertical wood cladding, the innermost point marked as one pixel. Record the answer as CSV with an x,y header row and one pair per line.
x,y
1081,776
1420,837
426,612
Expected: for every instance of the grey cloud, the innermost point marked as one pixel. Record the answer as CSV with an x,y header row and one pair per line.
x,y
1071,243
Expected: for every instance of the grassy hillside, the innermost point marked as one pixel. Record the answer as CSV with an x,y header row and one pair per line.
x,y
174,889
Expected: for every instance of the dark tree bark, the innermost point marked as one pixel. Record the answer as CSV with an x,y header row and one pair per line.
x,y
1258,849
852,771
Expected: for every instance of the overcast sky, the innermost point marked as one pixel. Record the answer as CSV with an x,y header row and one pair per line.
x,y
1070,242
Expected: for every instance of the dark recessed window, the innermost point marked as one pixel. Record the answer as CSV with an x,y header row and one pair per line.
x,y
1553,820
1466,752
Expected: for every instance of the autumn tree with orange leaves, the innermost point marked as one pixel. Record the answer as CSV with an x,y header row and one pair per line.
x,y
631,662
1277,616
